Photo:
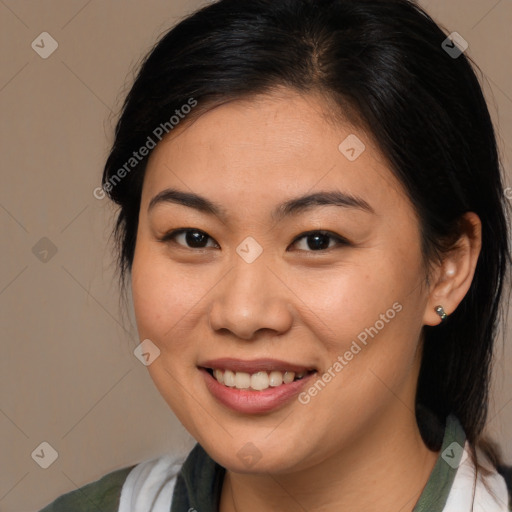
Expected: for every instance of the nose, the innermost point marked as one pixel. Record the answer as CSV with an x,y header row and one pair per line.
x,y
251,298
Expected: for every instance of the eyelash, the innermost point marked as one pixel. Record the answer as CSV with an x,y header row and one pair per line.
x,y
340,241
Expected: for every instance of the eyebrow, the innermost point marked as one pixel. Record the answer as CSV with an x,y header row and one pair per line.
x,y
290,207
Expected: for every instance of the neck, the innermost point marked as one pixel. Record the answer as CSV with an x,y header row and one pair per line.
x,y
386,468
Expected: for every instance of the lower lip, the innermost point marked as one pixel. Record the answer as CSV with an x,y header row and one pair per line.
x,y
253,402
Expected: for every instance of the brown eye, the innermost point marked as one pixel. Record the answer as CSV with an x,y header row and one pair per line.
x,y
188,237
319,241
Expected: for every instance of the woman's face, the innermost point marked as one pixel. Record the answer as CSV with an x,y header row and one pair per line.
x,y
249,287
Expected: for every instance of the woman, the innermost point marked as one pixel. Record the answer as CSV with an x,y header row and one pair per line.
x,y
313,220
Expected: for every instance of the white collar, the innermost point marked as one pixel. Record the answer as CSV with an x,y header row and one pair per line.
x,y
460,498
150,485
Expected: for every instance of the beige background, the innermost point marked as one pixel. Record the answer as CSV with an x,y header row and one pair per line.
x,y
68,375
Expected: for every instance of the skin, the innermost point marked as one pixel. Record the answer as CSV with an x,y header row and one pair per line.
x,y
356,444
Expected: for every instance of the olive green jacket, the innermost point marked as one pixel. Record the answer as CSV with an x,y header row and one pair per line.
x,y
196,484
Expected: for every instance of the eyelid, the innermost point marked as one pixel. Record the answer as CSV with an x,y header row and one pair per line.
x,y
170,235
340,241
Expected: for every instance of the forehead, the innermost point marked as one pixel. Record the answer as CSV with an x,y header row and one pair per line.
x,y
266,147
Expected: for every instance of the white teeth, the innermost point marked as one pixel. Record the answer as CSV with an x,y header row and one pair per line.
x,y
242,380
275,379
288,377
257,381
218,375
229,378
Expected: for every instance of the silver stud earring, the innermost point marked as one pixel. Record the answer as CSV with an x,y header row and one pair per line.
x,y
440,311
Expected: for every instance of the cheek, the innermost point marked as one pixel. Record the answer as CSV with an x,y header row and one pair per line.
x,y
370,314
157,295
163,296
367,318
347,300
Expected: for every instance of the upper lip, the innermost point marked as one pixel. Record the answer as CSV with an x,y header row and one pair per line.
x,y
254,365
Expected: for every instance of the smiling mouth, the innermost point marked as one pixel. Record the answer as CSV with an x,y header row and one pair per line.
x,y
258,381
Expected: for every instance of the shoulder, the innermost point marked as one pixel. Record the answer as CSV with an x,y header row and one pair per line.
x,y
103,494
145,486
506,473
490,494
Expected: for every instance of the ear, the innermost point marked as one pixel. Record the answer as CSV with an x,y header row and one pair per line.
x,y
454,275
